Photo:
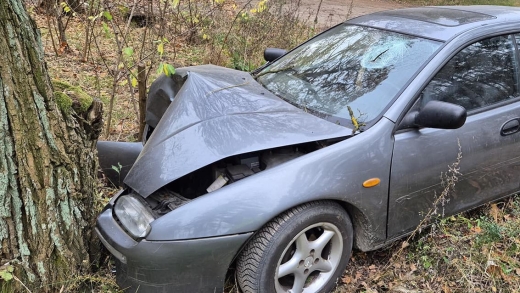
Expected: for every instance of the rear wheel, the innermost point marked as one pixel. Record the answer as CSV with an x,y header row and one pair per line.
x,y
305,249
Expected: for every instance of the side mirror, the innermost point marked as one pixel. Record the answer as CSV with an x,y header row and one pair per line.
x,y
436,114
271,54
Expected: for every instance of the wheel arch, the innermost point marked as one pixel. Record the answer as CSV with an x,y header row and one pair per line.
x,y
332,208
360,224
363,239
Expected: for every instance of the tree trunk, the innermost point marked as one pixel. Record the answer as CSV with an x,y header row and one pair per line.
x,y
141,82
48,164
55,11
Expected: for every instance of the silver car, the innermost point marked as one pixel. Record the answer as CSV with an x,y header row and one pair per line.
x,y
339,143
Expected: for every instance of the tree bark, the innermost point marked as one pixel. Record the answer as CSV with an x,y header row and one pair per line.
x,y
47,164
141,82
55,11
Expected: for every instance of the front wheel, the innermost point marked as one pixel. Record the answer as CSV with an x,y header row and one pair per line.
x,y
305,249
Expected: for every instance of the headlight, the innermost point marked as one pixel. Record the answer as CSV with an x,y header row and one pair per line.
x,y
134,216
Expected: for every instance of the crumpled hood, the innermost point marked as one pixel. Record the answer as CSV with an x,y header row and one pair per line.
x,y
219,113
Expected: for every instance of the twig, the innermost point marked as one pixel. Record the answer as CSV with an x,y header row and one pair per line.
x,y
21,283
317,12
230,28
449,185
89,29
350,9
117,75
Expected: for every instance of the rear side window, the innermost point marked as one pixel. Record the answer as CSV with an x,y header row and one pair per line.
x,y
482,74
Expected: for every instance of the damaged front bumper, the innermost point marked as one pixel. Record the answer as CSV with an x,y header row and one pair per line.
x,y
194,265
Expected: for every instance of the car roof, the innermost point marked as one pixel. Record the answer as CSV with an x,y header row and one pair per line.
x,y
439,22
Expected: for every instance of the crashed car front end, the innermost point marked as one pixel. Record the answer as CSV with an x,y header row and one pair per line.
x,y
219,113
198,265
194,151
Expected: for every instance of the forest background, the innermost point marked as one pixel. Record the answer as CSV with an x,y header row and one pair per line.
x,y
113,50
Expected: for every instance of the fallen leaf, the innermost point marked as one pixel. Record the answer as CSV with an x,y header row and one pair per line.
x,y
476,229
493,269
413,267
377,277
404,290
63,48
347,279
358,275
446,289
494,211
405,244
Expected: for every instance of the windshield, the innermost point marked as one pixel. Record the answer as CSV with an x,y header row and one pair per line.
x,y
347,72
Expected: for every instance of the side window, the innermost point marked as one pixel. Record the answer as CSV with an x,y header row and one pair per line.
x,y
482,74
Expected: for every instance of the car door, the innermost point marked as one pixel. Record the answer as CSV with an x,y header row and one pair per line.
x,y
483,78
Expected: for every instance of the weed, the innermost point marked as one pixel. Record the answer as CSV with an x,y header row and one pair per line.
x,y
239,42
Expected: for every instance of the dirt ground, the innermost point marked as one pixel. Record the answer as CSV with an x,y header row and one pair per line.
x,y
332,12
336,11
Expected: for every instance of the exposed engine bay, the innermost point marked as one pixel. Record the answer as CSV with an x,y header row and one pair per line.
x,y
225,172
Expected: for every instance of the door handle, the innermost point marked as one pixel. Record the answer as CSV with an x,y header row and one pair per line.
x,y
510,127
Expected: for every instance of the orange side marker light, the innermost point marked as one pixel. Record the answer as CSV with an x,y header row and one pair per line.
x,y
371,182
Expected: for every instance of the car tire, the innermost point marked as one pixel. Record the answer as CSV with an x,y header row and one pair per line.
x,y
305,249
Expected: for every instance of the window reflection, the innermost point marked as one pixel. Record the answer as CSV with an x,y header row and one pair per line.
x,y
359,67
481,74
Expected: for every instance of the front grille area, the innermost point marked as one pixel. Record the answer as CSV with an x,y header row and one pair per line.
x,y
165,200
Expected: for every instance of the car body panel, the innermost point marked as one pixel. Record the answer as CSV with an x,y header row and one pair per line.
x,y
489,169
328,173
219,113
430,26
117,158
169,266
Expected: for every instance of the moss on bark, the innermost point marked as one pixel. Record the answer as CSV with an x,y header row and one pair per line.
x,y
71,96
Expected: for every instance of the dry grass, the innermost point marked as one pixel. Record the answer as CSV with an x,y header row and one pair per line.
x,y
473,252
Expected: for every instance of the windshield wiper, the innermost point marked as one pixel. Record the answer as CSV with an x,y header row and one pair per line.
x,y
275,71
